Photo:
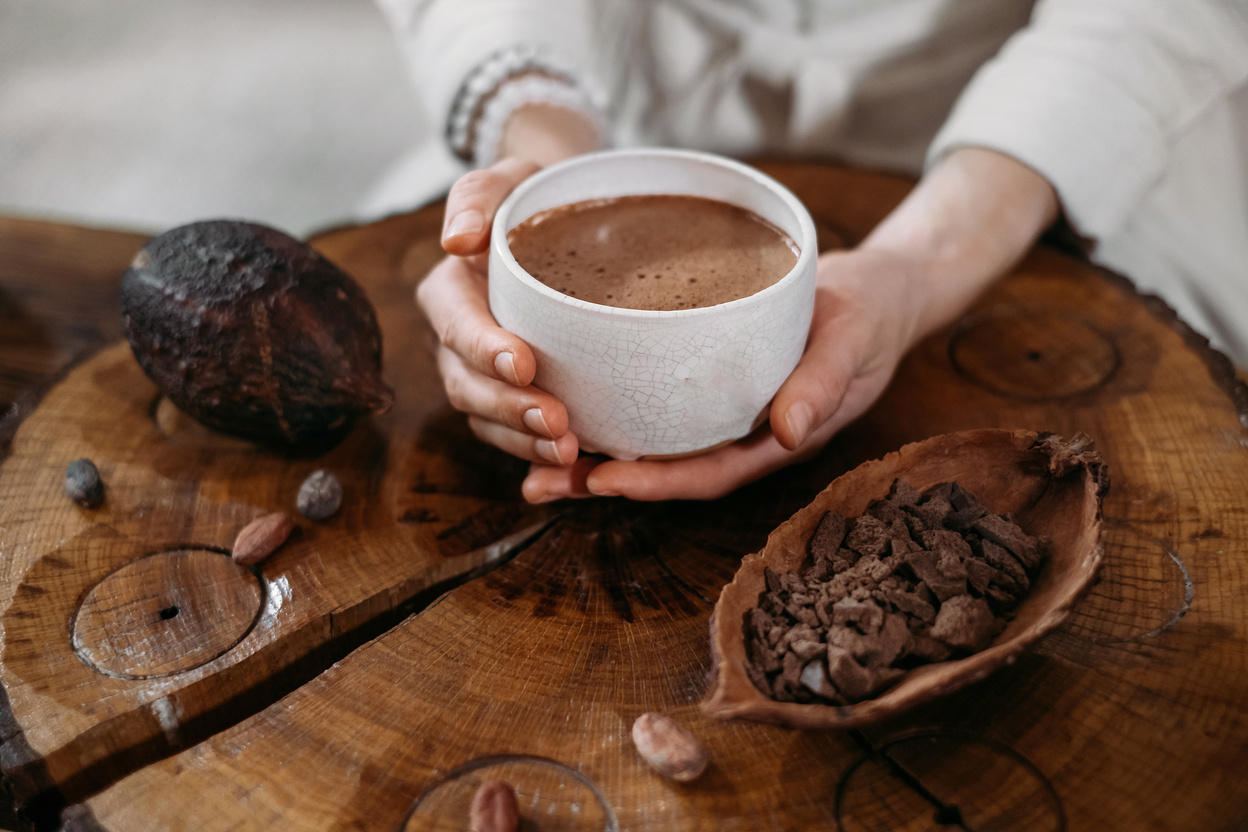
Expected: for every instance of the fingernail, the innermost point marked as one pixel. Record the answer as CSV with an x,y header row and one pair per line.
x,y
548,450
798,419
545,498
599,491
505,366
536,422
465,222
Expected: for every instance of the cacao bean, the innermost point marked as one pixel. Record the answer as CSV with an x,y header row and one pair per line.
x,y
320,496
668,748
494,808
261,538
83,483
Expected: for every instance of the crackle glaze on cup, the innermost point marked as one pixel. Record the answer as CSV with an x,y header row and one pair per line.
x,y
640,382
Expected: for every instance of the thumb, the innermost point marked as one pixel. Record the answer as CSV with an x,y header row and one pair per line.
x,y
815,390
472,202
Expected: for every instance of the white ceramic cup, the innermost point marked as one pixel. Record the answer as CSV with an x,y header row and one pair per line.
x,y
640,382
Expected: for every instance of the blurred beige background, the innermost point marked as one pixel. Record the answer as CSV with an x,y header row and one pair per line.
x,y
146,114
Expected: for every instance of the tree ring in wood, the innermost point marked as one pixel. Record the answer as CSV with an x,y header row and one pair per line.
x,y
561,796
1144,589
932,778
166,613
1032,355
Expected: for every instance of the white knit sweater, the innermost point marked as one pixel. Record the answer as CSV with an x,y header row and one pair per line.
x,y
1135,110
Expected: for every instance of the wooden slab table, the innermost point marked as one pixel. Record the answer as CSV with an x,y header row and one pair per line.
x,y
438,631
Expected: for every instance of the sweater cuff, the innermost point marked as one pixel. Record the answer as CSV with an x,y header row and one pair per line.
x,y
453,39
1099,149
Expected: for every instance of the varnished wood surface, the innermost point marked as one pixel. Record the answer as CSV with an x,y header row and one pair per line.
x,y
1131,716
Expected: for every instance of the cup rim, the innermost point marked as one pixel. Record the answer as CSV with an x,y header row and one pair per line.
x,y
808,245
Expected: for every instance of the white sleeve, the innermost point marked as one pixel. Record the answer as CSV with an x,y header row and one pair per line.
x,y
1092,93
443,41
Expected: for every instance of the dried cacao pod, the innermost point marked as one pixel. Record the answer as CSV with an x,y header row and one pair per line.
x,y
254,333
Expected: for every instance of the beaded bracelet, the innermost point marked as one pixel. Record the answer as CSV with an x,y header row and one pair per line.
x,y
501,84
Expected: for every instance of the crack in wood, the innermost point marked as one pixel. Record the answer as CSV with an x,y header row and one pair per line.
x,y
43,801
944,813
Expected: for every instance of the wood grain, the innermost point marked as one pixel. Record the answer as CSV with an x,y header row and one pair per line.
x,y
1130,716
92,707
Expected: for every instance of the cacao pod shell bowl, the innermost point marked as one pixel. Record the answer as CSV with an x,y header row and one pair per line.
x,y
1052,487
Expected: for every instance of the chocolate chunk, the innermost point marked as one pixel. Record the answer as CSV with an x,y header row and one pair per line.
x,y
820,569
891,643
980,574
791,582
915,524
771,603
848,639
902,494
789,680
898,528
802,632
946,542
835,589
1004,533
758,677
909,603
758,622
844,560
815,679
764,656
850,678
803,615
868,536
923,591
880,569
1001,600
829,534
1010,573
925,566
925,647
867,616
932,511
966,623
964,518
903,546
772,579
962,500
884,511
952,567
825,542
807,650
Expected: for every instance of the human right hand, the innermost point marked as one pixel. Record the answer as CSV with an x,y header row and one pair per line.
x,y
486,370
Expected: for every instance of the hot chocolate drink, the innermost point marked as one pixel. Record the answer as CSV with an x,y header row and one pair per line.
x,y
653,251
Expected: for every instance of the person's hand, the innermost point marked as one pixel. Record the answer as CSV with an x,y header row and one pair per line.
x,y
867,306
487,371
967,222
